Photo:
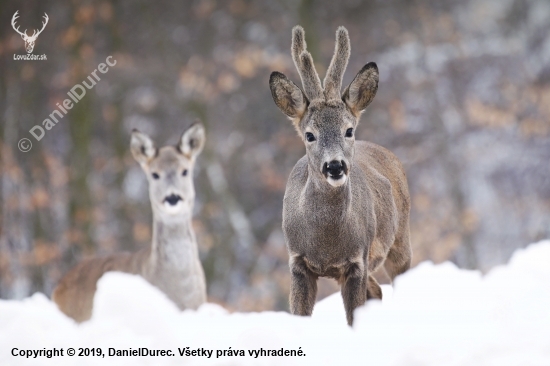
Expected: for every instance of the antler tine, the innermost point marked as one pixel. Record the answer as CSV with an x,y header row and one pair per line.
x,y
333,79
310,78
46,18
299,45
13,19
304,63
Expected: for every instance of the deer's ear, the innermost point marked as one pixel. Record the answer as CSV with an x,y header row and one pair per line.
x,y
192,140
362,89
288,97
142,147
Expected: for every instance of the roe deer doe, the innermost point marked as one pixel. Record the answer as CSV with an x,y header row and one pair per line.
x,y
171,263
346,205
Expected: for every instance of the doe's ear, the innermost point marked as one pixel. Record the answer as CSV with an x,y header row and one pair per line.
x,y
142,147
362,89
288,97
192,140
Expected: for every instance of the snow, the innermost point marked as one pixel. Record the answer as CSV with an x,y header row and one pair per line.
x,y
435,315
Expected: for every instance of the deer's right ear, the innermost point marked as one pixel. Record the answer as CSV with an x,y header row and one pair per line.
x,y
289,98
142,147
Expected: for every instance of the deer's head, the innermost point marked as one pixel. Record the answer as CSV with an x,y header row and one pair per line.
x,y
169,170
29,40
324,118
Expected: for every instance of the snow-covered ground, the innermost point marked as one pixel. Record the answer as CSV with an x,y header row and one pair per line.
x,y
436,315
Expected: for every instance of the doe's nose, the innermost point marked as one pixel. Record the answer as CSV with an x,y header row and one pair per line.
x,y
335,168
173,199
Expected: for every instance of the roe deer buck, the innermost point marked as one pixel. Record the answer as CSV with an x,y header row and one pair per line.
x,y
171,263
346,205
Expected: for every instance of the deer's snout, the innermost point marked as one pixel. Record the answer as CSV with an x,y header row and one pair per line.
x,y
173,199
336,172
335,169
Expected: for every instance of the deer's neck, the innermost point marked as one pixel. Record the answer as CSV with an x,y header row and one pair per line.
x,y
174,245
174,266
332,197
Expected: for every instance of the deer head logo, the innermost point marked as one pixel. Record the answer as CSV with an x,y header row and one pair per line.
x,y
29,41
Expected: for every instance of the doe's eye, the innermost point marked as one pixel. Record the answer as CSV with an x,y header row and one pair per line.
x,y
310,137
155,176
349,132
184,173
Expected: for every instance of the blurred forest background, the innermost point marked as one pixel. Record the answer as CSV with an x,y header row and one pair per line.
x,y
463,100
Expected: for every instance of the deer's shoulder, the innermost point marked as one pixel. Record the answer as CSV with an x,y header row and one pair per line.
x,y
371,151
300,171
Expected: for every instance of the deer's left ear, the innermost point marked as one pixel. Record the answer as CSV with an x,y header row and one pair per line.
x,y
192,140
362,89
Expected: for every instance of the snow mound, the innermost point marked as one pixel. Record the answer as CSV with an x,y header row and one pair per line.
x,y
435,315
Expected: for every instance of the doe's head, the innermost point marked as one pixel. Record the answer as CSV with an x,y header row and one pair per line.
x,y
169,169
325,118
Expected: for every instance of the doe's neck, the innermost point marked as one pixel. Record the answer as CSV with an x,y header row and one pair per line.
x,y
173,238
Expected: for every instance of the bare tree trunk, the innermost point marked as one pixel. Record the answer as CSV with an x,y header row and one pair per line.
x,y
14,238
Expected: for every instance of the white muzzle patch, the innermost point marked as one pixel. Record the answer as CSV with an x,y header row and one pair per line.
x,y
337,182
173,204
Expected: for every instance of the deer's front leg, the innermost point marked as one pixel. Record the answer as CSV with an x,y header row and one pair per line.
x,y
354,288
303,287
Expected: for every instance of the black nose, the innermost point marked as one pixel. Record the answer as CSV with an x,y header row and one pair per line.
x,y
335,168
173,199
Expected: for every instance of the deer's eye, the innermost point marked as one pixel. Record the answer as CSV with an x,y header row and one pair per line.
x,y
184,173
349,132
155,176
310,137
